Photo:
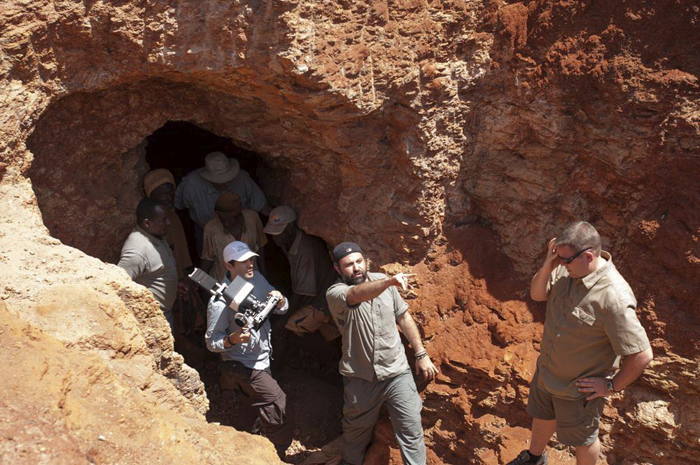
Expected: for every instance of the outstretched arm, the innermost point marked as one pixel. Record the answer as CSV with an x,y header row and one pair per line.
x,y
424,365
371,289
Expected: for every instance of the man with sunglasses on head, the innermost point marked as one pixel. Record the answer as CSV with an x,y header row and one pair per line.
x,y
589,326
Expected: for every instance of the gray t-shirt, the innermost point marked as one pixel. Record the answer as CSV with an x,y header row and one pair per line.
x,y
199,195
150,262
371,342
254,354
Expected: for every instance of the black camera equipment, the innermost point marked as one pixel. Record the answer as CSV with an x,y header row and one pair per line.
x,y
249,311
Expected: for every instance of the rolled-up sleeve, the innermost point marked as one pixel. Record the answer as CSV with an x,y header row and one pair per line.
x,y
217,326
400,305
133,263
626,333
337,297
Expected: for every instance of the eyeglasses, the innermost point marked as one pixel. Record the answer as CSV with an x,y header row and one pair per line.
x,y
574,257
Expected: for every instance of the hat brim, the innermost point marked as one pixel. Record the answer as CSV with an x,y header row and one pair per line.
x,y
226,176
244,257
274,229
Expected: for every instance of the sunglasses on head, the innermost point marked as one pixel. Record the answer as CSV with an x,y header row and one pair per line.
x,y
573,257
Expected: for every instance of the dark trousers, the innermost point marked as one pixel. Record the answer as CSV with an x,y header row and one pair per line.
x,y
266,396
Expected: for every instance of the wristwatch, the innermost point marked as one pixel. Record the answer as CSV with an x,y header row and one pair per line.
x,y
610,386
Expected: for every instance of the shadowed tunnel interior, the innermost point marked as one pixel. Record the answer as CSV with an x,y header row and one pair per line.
x,y
303,366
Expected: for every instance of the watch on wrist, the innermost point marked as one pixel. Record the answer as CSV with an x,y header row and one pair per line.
x,y
610,386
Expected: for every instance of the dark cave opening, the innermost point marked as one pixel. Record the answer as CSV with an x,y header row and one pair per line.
x,y
302,365
88,191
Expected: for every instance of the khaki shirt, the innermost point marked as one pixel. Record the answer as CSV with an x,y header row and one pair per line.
x,y
590,323
150,262
371,342
216,238
311,270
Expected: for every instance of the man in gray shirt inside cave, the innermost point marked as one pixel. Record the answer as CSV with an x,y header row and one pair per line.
x,y
146,255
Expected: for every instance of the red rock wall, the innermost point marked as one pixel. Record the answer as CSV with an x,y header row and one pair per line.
x,y
454,137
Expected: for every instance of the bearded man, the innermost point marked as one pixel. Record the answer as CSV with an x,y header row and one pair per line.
x,y
367,308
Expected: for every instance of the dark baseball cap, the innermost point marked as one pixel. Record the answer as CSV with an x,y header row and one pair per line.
x,y
344,249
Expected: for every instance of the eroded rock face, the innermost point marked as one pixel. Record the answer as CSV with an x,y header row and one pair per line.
x,y
452,138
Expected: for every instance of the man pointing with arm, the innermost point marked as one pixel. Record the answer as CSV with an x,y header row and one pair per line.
x,y
367,307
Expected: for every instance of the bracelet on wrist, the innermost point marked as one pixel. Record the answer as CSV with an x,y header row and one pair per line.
x,y
421,354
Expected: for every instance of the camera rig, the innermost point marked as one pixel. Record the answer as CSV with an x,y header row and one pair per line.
x,y
249,311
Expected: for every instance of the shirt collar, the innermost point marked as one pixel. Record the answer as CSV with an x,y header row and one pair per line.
x,y
294,249
590,280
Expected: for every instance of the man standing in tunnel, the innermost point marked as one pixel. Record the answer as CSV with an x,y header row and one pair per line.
x,y
590,324
159,185
367,307
146,255
311,273
245,352
199,190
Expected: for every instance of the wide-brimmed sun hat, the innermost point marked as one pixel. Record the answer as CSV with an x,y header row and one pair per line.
x,y
219,168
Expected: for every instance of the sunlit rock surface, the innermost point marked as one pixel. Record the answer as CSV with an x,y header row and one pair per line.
x,y
452,138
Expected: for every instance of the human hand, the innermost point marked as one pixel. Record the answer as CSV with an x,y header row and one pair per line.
x,y
597,386
240,336
552,260
426,369
279,295
401,279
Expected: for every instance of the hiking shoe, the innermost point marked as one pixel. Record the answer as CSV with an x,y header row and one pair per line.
x,y
526,459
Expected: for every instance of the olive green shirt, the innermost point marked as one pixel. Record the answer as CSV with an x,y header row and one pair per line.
x,y
371,342
590,323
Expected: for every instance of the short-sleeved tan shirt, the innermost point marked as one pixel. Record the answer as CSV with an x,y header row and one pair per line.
x,y
590,323
371,342
216,238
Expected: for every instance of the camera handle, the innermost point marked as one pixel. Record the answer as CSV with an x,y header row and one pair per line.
x,y
260,317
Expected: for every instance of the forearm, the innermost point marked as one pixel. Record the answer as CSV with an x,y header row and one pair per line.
x,y
632,366
367,291
410,330
539,286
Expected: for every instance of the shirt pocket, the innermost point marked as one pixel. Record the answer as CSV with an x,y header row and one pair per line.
x,y
584,320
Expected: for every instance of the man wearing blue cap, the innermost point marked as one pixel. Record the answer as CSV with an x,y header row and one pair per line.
x,y
367,307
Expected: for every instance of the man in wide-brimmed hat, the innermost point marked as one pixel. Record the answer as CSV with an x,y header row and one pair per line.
x,y
199,190
311,273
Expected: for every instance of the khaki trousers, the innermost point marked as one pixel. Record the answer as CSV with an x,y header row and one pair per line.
x,y
363,401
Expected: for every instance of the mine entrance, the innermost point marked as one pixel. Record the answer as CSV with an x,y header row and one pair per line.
x,y
305,367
